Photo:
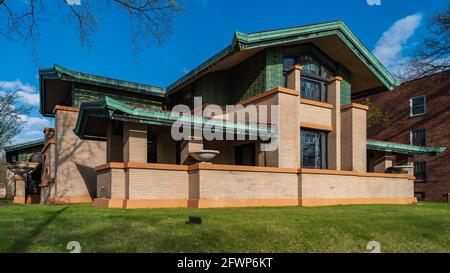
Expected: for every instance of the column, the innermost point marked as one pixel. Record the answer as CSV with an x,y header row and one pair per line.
x,y
134,142
334,137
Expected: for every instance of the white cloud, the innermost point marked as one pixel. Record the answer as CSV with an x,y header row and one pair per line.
x,y
390,46
27,98
32,129
26,92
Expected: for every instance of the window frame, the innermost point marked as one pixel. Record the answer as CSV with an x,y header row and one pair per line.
x,y
411,107
424,170
411,137
324,149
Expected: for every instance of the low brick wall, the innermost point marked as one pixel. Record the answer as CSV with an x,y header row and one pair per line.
x,y
137,185
332,189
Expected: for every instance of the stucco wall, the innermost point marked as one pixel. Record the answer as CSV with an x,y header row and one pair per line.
x,y
75,160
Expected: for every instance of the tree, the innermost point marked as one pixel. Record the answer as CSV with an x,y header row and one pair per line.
x,y
432,54
376,117
150,20
10,122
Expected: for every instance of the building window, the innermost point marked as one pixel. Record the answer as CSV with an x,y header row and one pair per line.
x,y
314,149
420,171
313,89
418,137
245,154
418,106
420,196
314,75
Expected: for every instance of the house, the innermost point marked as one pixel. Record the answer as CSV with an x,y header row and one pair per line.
x,y
23,152
274,107
419,112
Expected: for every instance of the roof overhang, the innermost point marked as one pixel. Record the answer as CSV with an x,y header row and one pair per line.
x,y
333,38
93,120
25,145
55,84
399,148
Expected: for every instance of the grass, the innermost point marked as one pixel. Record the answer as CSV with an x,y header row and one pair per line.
x,y
424,227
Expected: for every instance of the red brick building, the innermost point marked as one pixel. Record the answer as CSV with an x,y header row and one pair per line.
x,y
419,114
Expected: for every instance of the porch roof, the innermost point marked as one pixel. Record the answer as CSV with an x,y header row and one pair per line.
x,y
25,145
393,147
111,109
55,82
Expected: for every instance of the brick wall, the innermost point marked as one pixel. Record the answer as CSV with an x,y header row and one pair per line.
x,y
435,121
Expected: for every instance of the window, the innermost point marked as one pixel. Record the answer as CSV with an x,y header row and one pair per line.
x,y
418,106
314,75
245,154
420,171
420,196
418,137
313,90
314,149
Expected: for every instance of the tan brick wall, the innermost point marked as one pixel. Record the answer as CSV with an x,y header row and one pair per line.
x,y
75,159
157,184
353,140
135,142
245,185
315,115
334,137
288,131
346,186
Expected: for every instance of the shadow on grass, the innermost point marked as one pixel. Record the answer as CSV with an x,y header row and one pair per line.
x,y
23,244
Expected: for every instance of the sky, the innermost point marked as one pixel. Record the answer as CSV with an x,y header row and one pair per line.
x,y
388,28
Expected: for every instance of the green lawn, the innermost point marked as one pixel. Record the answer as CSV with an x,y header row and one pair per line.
x,y
424,227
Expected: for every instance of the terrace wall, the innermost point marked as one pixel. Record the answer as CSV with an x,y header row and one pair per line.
x,y
215,185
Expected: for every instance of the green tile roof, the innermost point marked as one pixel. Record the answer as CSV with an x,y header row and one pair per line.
x,y
114,109
244,41
24,145
392,147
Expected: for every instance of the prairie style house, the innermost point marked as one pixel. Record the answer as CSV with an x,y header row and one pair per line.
x,y
112,141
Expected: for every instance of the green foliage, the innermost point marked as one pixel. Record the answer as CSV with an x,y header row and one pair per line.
x,y
10,122
376,117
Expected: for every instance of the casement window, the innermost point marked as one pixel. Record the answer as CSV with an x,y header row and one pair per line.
x,y
418,106
315,73
420,196
418,137
245,155
420,171
314,149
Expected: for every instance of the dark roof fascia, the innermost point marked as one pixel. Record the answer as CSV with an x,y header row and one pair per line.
x,y
25,145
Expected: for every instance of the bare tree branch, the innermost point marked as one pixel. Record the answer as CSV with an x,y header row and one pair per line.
x,y
150,20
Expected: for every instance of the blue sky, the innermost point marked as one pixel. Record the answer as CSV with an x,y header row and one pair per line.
x,y
390,30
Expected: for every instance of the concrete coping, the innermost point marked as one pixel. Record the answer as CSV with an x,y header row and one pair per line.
x,y
316,103
268,93
224,167
355,105
65,108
